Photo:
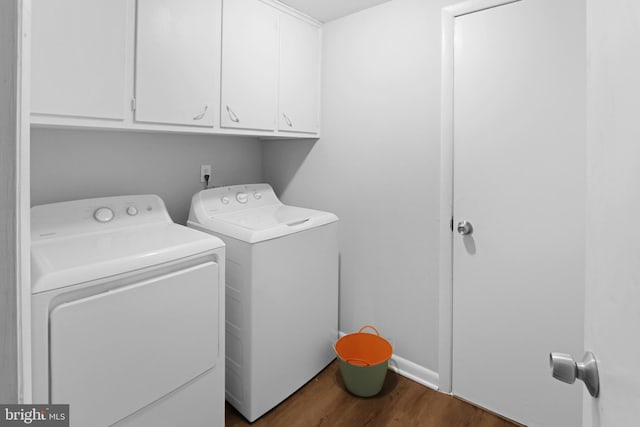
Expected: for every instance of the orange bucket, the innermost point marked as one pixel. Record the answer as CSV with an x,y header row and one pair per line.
x,y
364,359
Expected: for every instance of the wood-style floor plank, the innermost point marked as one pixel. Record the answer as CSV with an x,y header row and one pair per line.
x,y
324,401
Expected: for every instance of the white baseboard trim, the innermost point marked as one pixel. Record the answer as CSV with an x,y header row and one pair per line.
x,y
411,370
414,372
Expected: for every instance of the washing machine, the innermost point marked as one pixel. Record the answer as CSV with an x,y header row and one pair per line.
x,y
127,314
281,291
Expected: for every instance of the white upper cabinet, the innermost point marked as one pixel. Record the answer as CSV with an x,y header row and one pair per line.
x,y
177,78
249,65
79,58
299,77
234,67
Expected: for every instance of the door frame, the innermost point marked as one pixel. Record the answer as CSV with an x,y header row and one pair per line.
x,y
445,303
15,308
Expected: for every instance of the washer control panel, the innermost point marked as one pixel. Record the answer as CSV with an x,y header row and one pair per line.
x,y
242,197
237,197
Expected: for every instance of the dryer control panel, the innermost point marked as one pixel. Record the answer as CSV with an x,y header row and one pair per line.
x,y
91,215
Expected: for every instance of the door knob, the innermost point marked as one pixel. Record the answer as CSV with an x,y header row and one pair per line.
x,y
465,228
565,369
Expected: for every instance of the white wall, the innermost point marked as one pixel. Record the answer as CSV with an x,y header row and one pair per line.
x,y
377,167
76,164
613,203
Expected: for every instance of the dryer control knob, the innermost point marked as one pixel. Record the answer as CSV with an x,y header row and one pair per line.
x,y
132,211
257,195
242,197
224,200
103,214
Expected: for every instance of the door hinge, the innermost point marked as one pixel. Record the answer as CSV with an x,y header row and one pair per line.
x,y
451,224
133,104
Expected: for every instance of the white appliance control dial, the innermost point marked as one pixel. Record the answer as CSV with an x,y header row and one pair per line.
x,y
242,197
132,211
103,214
257,195
224,200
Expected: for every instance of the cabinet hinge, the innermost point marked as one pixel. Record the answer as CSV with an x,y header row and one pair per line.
x,y
133,104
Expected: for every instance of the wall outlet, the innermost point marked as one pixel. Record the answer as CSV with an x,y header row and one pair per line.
x,y
205,170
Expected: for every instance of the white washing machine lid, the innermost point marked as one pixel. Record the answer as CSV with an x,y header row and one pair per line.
x,y
267,222
69,248
254,220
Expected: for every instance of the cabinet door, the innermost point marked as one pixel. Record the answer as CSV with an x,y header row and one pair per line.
x,y
177,61
79,58
299,83
249,65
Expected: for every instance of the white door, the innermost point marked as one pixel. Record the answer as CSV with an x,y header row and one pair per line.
x,y
299,88
79,58
249,65
178,61
519,156
613,203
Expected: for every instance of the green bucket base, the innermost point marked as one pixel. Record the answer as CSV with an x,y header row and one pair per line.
x,y
363,381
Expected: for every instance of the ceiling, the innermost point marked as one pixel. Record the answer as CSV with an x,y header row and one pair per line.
x,y
328,10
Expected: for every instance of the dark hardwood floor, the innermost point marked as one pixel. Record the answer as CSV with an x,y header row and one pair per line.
x,y
324,401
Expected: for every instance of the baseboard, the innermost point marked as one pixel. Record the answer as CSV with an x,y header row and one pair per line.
x,y
414,372
411,370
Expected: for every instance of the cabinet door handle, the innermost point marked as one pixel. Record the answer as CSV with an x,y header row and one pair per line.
x,y
201,115
286,118
232,115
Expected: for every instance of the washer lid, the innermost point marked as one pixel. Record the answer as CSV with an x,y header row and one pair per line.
x,y
251,213
265,222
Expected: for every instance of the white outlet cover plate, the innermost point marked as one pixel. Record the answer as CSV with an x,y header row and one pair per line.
x,y
205,170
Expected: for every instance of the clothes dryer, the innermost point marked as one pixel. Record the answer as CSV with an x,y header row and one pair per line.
x,y
281,291
127,314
